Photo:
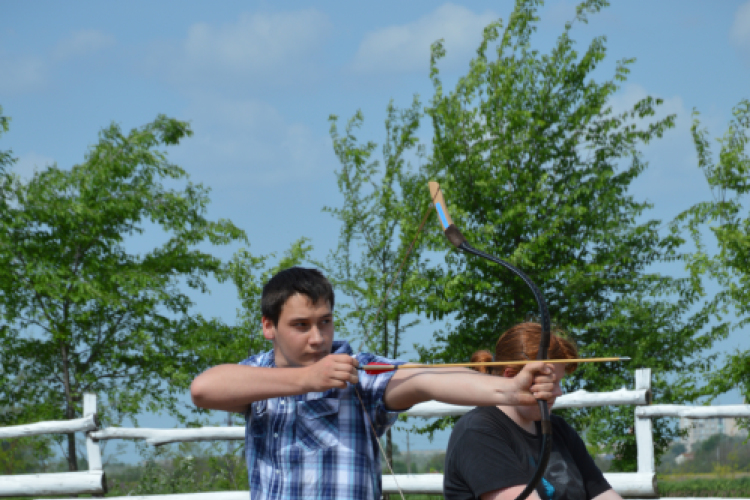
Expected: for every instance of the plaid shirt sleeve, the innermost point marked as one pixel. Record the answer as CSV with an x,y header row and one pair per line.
x,y
373,390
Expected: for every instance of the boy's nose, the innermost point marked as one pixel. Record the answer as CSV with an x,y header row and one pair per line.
x,y
315,336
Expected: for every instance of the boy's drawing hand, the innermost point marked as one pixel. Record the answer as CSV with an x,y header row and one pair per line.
x,y
332,372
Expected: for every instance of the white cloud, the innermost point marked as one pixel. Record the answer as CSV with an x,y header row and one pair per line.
x,y
406,48
29,163
244,144
739,34
83,43
256,47
21,74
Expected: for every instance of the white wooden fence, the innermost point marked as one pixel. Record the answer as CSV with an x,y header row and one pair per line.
x,y
62,483
640,484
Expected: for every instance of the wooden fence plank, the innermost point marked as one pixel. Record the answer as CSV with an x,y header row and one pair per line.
x,y
60,483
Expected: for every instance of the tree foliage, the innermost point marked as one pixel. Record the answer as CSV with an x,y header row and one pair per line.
x,y
25,455
83,311
376,233
6,157
376,264
720,230
536,166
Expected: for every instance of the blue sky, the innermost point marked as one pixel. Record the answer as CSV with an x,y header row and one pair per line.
x,y
258,80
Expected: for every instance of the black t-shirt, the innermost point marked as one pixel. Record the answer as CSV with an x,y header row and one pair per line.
x,y
487,451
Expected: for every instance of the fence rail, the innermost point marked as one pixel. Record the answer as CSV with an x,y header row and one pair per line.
x,y
696,412
634,485
158,437
51,427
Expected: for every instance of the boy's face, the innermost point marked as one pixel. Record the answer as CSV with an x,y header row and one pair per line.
x,y
304,333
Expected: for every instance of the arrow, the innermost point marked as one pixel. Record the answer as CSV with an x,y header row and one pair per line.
x,y
375,368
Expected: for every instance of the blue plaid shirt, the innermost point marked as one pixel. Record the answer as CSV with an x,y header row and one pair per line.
x,y
318,445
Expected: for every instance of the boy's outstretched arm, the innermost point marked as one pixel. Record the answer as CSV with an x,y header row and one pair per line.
x,y
462,386
234,387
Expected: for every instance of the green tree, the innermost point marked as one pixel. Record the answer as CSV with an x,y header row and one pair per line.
x,y
24,455
720,229
84,312
7,413
536,167
27,454
6,157
378,229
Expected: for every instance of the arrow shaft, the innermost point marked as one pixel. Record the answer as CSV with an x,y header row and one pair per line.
x,y
385,368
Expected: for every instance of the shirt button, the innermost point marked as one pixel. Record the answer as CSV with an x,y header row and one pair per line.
x,y
282,401
276,434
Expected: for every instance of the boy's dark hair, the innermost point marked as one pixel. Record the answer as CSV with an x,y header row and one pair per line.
x,y
308,282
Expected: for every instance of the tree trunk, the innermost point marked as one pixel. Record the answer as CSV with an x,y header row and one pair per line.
x,y
69,409
72,459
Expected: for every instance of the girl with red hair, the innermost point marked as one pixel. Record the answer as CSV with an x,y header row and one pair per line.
x,y
493,450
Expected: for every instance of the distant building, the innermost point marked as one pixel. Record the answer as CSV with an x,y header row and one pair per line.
x,y
702,429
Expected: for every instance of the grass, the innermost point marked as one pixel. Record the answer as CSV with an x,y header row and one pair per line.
x,y
726,487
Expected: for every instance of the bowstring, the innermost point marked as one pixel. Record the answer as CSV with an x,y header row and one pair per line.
x,y
380,445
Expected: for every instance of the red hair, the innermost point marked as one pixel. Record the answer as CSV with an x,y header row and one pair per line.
x,y
521,343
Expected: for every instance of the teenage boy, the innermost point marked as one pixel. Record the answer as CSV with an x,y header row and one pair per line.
x,y
312,419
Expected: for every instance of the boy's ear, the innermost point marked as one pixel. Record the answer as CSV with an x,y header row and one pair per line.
x,y
269,330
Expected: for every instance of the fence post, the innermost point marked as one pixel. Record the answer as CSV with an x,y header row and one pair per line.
x,y
643,427
93,453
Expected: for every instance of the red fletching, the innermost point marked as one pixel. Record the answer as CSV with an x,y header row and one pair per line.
x,y
375,372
